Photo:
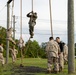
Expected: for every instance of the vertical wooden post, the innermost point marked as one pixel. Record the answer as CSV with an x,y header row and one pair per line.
x,y
71,48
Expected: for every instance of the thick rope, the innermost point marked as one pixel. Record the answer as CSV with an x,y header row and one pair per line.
x,y
51,18
20,18
32,5
21,27
27,45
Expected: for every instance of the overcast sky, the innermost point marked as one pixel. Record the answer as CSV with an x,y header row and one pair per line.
x,y
42,29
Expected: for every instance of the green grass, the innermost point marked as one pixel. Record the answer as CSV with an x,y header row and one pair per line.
x,y
12,69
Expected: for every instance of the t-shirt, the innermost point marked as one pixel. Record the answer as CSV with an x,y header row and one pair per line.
x,y
61,45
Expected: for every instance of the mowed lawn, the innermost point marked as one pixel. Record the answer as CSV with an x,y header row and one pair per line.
x,y
31,66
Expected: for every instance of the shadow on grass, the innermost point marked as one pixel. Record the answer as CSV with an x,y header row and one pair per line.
x,y
28,70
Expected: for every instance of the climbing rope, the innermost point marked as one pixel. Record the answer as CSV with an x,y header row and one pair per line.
x,y
32,5
50,18
21,29
27,47
20,18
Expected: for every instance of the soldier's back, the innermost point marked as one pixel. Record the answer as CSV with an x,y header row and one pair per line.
x,y
52,48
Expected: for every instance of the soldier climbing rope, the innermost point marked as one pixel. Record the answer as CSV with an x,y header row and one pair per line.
x,y
21,41
10,29
32,22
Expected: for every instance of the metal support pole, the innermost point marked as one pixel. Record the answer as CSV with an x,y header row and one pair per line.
x,y
7,41
71,48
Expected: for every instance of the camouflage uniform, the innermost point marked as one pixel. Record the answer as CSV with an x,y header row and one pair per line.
x,y
14,52
21,43
52,50
9,34
61,61
61,57
1,55
65,54
32,22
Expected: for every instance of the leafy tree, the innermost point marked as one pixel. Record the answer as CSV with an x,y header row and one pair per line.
x,y
33,49
43,45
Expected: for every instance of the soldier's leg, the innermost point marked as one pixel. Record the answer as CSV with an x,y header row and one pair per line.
x,y
12,58
15,57
65,60
31,30
10,39
56,65
50,62
61,62
33,24
2,59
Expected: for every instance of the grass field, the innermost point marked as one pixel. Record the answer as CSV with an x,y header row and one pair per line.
x,y
31,66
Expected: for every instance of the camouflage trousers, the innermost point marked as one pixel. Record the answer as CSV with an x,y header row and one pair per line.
x,y
2,59
10,39
65,58
61,60
13,57
53,64
31,29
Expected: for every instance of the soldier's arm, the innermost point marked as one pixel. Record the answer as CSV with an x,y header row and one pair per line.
x,y
28,15
1,49
47,47
58,49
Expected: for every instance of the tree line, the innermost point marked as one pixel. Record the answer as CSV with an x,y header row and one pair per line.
x,y
32,49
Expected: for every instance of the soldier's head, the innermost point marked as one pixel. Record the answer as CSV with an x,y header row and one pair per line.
x,y
51,38
58,39
35,13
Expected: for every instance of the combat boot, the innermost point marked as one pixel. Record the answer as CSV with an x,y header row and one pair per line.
x,y
60,69
48,71
32,34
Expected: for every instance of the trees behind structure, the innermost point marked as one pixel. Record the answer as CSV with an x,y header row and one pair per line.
x,y
32,48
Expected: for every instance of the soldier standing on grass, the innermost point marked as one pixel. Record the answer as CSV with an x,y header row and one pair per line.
x,y
14,52
61,59
1,55
52,50
32,22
